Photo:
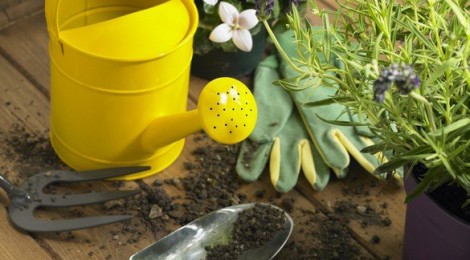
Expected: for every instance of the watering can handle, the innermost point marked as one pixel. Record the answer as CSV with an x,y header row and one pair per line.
x,y
51,7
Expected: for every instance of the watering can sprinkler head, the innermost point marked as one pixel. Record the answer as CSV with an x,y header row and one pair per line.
x,y
226,111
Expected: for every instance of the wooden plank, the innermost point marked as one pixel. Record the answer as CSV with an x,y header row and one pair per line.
x,y
16,245
25,45
24,8
16,90
3,19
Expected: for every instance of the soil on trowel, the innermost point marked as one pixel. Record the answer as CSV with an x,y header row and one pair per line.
x,y
252,229
210,182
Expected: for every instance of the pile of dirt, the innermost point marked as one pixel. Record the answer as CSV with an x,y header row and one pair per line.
x,y
252,229
29,153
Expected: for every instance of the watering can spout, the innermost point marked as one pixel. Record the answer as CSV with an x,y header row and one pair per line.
x,y
226,111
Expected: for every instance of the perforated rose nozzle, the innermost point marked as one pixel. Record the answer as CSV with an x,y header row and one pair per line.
x,y
226,111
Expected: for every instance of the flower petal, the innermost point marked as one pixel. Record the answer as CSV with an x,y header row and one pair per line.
x,y
211,2
242,39
221,33
248,19
228,13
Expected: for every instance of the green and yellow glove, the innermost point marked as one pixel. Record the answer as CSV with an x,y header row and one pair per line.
x,y
335,143
279,137
292,136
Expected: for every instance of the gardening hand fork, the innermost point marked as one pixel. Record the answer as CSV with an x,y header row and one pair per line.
x,y
30,196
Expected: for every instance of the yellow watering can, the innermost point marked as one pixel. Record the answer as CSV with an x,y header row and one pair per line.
x,y
119,85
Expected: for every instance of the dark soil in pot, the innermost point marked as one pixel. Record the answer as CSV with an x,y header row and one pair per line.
x,y
218,63
451,197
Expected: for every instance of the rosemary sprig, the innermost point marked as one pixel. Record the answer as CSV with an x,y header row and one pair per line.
x,y
429,124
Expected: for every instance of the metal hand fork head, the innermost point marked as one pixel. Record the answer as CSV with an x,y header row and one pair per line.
x,y
30,196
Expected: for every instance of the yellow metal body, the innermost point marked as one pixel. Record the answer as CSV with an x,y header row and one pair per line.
x,y
116,65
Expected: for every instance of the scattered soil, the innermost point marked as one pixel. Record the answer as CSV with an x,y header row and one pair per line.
x,y
30,153
325,234
210,183
252,229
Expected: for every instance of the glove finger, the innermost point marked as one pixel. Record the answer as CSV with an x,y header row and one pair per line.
x,y
354,144
284,162
254,151
327,144
314,168
284,172
252,159
271,119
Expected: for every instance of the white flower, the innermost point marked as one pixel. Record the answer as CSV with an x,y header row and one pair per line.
x,y
211,2
235,26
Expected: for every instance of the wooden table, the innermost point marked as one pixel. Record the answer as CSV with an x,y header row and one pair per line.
x,y
24,102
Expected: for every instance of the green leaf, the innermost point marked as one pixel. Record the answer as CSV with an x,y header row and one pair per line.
x,y
423,185
326,38
460,16
460,124
299,83
375,148
328,101
457,151
440,71
390,165
341,123
409,24
378,40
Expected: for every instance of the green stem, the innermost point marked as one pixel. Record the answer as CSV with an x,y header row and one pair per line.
x,y
280,49
427,106
336,79
435,30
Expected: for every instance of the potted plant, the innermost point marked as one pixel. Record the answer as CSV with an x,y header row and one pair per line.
x,y
229,40
404,71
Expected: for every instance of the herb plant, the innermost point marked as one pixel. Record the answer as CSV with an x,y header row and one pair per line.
x,y
405,73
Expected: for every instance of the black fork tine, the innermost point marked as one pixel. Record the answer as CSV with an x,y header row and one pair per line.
x,y
29,223
84,198
92,175
29,196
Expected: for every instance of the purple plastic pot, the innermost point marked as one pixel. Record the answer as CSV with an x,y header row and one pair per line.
x,y
431,232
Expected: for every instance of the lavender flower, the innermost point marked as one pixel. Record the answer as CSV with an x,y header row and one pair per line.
x,y
380,87
264,9
402,75
292,2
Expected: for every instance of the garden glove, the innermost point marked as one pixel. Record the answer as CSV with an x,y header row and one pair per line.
x,y
279,137
333,142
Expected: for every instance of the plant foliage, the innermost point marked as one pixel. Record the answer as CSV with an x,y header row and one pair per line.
x,y
429,124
